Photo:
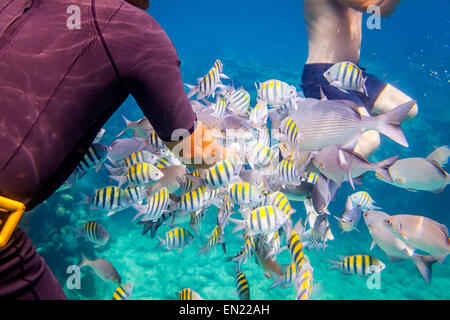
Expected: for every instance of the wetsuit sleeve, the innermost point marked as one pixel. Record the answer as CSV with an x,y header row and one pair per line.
x,y
149,69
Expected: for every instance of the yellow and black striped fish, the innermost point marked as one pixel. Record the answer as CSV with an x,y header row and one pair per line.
x,y
287,172
244,193
275,92
346,76
361,265
289,133
238,102
193,200
141,174
155,140
136,194
156,205
242,287
215,238
262,220
140,156
222,172
287,279
95,233
188,294
281,201
304,283
109,199
176,238
296,250
94,158
123,292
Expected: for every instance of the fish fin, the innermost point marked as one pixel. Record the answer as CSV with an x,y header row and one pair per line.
x,y
383,167
128,124
389,122
85,199
364,86
110,213
83,260
322,95
424,264
373,244
119,179
440,155
240,224
335,264
192,90
351,145
341,157
350,180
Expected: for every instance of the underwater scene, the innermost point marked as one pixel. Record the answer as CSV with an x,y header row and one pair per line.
x,y
273,226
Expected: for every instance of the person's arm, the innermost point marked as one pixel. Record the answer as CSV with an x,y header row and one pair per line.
x,y
149,65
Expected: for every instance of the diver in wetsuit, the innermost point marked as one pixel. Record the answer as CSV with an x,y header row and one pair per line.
x,y
334,35
58,86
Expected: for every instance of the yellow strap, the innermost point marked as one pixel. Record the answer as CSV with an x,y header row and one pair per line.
x,y
11,211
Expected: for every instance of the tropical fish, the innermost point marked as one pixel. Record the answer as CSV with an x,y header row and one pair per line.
x,y
122,148
238,101
245,194
111,199
263,219
242,286
341,165
361,265
223,216
133,159
173,175
156,205
288,133
351,216
338,122
95,233
141,127
417,174
304,282
136,194
123,292
280,200
323,192
215,238
102,268
259,156
176,238
421,233
196,220
346,76
206,86
188,294
276,92
364,200
393,247
94,158
193,200
222,173
287,173
258,115
294,244
287,279
141,174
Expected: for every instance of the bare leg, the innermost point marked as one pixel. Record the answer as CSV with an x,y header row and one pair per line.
x,y
391,97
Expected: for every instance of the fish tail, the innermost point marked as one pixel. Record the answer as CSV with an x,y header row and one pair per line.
x,y
277,279
148,225
440,155
119,179
383,167
240,224
192,90
113,170
335,264
275,118
389,122
161,243
364,86
424,264
85,199
83,260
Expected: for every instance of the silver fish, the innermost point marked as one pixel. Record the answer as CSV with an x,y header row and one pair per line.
x,y
421,233
417,174
141,127
338,122
102,268
322,193
122,148
393,247
340,165
351,216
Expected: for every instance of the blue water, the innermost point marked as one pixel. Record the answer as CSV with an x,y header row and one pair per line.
x,y
256,41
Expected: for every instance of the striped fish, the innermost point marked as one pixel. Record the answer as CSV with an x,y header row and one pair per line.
x,y
309,177
139,156
304,283
276,92
280,200
245,194
264,219
188,294
258,115
95,233
176,238
154,225
246,251
196,220
123,292
296,250
136,194
155,141
238,102
220,107
286,280
167,161
94,158
287,172
206,85
219,66
223,216
346,76
271,243
263,136
258,155
289,133
215,238
156,205
363,200
111,199
222,173
361,265
141,174
242,287
193,200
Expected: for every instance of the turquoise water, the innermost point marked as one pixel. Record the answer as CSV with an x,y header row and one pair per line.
x,y
256,41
